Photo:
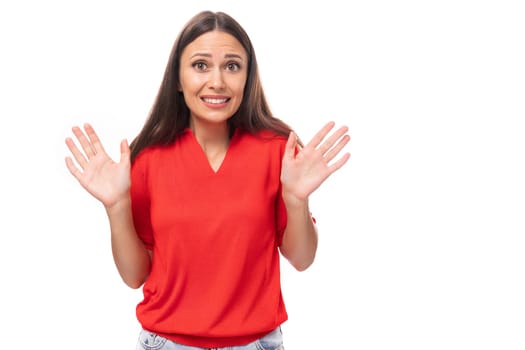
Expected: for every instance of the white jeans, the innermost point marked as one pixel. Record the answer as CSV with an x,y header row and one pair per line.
x,y
151,341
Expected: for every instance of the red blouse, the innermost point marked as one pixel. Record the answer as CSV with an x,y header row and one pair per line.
x,y
215,278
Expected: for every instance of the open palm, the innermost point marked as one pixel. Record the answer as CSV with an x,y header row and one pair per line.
x,y
305,169
105,179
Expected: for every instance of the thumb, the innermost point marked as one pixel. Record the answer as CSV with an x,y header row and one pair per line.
x,y
124,151
291,144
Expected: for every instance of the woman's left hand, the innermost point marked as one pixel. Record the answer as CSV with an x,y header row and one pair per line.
x,y
305,169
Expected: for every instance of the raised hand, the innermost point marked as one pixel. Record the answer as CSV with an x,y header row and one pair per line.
x,y
305,169
102,177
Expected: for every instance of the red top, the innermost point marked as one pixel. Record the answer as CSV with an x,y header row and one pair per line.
x,y
215,279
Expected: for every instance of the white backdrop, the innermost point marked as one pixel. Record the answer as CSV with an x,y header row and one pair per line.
x,y
421,233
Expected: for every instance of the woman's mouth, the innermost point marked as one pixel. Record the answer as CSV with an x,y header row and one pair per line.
x,y
215,101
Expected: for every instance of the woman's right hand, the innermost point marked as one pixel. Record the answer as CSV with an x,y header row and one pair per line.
x,y
102,177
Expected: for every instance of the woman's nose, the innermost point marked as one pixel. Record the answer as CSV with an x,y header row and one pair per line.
x,y
216,79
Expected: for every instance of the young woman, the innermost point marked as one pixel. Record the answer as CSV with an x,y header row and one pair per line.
x,y
208,195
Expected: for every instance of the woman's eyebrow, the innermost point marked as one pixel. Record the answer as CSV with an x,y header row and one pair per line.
x,y
233,55
228,55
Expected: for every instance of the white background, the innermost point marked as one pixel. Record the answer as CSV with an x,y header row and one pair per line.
x,y
421,234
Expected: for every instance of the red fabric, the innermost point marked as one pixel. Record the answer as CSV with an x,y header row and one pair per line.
x,y
215,278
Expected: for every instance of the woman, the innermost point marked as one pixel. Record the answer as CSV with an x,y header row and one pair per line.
x,y
208,195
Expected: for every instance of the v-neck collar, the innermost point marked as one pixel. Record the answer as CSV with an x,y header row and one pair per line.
x,y
201,155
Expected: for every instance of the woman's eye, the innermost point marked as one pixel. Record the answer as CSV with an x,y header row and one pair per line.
x,y
200,65
233,66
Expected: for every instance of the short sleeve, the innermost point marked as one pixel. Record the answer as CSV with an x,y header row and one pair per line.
x,y
281,217
140,201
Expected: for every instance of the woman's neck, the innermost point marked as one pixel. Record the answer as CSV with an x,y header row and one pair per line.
x,y
213,138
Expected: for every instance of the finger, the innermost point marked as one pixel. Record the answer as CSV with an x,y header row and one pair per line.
x,y
73,169
327,145
340,162
79,157
321,134
337,148
95,140
124,152
88,148
291,144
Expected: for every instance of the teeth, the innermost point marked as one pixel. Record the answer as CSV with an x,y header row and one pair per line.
x,y
215,100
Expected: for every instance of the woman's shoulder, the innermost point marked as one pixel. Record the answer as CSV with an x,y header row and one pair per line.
x,y
151,153
265,136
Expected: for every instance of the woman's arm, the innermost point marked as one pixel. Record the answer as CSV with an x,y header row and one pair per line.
x,y
109,182
303,171
299,243
131,257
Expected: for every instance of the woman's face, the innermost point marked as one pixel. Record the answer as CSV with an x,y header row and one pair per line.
x,y
213,71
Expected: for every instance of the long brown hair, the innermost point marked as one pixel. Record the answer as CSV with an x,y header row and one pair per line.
x,y
170,115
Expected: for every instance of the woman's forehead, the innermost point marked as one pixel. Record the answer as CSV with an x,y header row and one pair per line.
x,y
215,43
